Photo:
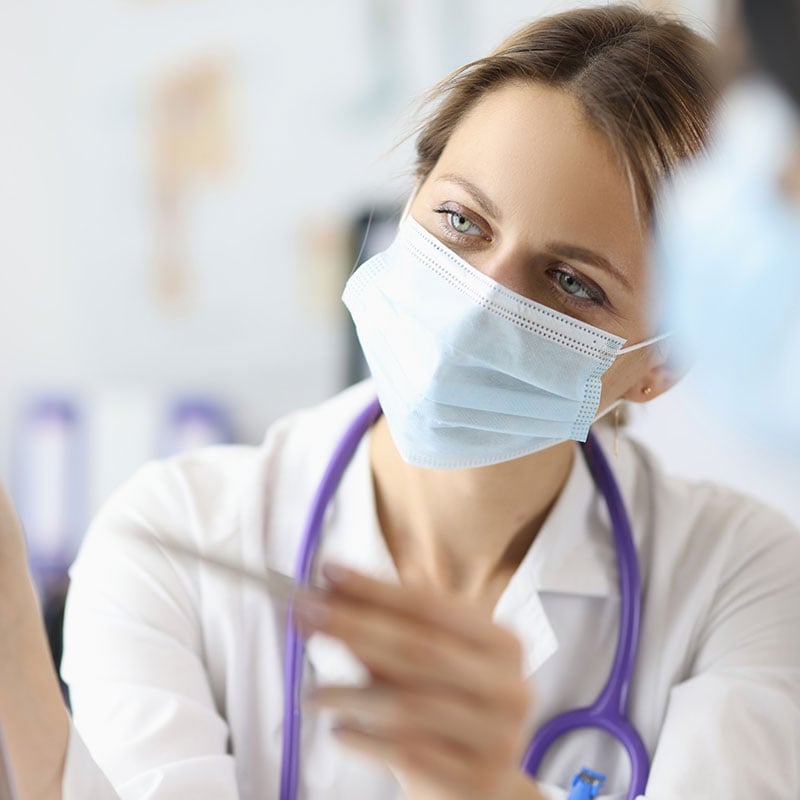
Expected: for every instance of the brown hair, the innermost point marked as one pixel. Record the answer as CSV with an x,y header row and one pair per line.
x,y
642,78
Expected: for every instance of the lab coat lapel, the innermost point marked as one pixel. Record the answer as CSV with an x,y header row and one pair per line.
x,y
573,553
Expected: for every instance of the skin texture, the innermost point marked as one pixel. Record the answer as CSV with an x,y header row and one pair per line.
x,y
447,705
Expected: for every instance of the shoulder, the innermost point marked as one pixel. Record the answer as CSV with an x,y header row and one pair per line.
x,y
159,494
720,571
318,427
210,495
212,478
298,447
705,526
704,503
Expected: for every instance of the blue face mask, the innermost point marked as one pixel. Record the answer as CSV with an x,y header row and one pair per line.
x,y
728,258
468,372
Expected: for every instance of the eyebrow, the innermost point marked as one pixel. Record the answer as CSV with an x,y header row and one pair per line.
x,y
573,252
568,251
477,195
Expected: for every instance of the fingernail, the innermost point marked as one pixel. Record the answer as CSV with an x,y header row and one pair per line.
x,y
334,573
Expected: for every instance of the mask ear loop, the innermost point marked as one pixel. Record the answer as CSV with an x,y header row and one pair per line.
x,y
645,343
411,198
615,406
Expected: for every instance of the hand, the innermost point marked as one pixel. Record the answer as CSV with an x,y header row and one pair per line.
x,y
447,704
33,718
14,576
12,542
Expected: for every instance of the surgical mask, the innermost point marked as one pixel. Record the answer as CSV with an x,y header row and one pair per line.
x,y
469,373
728,259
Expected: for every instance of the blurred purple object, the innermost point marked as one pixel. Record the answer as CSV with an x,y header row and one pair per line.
x,y
196,422
49,483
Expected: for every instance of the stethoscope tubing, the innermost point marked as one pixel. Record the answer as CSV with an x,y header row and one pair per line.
x,y
607,713
295,649
609,710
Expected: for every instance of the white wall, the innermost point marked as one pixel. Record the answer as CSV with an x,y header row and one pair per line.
x,y
317,93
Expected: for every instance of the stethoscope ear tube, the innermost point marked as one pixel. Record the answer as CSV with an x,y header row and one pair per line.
x,y
293,656
609,711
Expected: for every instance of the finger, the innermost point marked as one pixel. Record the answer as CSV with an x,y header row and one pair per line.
x,y
13,550
443,717
404,651
8,517
422,758
461,619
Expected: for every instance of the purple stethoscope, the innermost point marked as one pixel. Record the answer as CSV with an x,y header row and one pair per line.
x,y
607,713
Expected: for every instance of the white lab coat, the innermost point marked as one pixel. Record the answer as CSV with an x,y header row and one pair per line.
x,y
176,671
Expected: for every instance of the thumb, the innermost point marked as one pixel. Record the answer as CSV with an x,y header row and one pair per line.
x,y
12,539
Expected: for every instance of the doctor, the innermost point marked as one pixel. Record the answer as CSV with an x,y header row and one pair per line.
x,y
467,546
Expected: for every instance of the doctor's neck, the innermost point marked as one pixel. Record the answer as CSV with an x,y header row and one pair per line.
x,y
503,182
463,532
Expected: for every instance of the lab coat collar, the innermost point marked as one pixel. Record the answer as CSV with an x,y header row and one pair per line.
x,y
573,553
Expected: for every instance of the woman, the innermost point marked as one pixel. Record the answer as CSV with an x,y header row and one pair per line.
x,y
471,569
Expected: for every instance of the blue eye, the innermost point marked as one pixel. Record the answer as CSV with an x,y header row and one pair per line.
x,y
572,289
572,286
458,222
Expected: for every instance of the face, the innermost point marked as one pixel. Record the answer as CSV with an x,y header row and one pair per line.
x,y
530,194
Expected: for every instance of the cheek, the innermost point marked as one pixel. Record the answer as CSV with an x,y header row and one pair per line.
x,y
624,374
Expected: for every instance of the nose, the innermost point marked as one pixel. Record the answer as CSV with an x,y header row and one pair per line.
x,y
509,267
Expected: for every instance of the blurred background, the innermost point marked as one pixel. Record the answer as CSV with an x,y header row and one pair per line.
x,y
184,187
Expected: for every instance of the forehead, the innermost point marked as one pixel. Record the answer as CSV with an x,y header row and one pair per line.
x,y
553,175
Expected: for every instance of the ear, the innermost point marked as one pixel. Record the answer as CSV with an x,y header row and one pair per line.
x,y
663,374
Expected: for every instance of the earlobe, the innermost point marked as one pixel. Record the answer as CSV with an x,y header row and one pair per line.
x,y
653,384
641,393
